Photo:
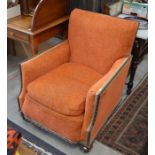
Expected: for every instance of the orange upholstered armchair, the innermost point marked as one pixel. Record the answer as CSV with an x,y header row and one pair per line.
x,y
73,88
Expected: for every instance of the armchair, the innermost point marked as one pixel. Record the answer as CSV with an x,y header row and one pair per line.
x,y
73,88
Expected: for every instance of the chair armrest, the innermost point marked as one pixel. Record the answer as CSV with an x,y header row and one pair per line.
x,y
43,63
103,97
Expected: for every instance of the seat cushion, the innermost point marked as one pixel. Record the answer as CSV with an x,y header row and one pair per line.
x,y
64,89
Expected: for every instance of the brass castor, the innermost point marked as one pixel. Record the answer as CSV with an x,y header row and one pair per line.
x,y
86,149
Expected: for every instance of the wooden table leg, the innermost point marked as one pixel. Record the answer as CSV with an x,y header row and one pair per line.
x,y
34,46
133,67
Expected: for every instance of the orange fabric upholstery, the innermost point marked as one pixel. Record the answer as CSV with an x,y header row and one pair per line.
x,y
41,64
64,89
59,87
93,39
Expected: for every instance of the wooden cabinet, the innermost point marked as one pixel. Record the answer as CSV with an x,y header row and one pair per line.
x,y
39,21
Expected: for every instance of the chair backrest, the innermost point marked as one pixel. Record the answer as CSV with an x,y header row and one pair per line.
x,y
98,40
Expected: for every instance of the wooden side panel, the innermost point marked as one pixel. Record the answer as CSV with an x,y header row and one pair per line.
x,y
48,11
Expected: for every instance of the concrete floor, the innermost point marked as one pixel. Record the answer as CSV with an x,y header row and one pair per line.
x,y
14,84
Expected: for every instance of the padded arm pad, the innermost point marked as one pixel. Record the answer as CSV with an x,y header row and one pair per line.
x,y
109,90
43,63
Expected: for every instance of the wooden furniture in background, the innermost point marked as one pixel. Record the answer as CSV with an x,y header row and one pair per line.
x,y
91,5
42,21
28,6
